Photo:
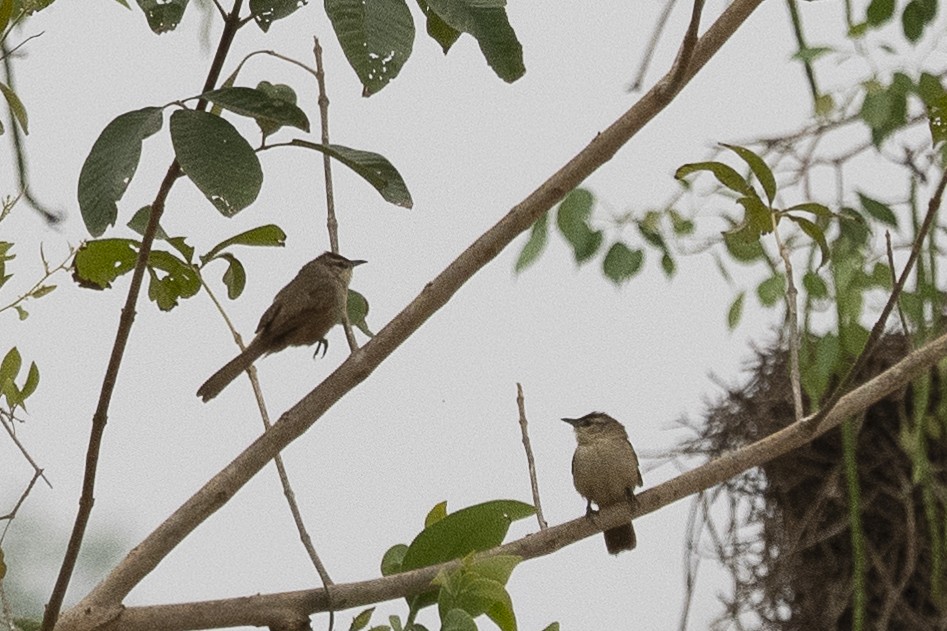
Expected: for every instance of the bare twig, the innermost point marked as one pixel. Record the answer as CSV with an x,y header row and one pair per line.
x,y
104,602
265,609
652,45
894,279
792,319
533,482
47,272
127,318
879,326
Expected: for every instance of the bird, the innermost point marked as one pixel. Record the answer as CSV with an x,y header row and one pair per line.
x,y
302,314
605,471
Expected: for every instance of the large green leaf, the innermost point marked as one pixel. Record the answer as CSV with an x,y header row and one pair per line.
x,y
374,168
163,15
260,105
97,263
111,164
439,30
217,159
269,235
487,21
724,173
375,36
267,11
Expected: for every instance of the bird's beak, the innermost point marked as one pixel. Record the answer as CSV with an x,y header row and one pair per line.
x,y
358,262
571,421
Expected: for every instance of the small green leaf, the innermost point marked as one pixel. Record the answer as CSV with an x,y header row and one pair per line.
x,y
824,105
439,30
179,280
217,159
139,222
667,264
98,263
279,91
269,235
16,107
265,12
21,313
724,173
572,219
879,12
497,568
771,290
553,626
735,312
680,225
622,263
32,381
881,212
913,20
42,290
930,89
458,620
815,233
372,167
111,164
361,621
538,236
6,11
163,15
758,218
815,286
810,54
764,175
235,276
436,514
260,105
393,559
358,312
10,366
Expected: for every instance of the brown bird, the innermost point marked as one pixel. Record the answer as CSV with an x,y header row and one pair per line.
x,y
302,314
605,471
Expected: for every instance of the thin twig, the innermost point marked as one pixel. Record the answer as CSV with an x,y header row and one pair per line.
x,y
47,272
278,460
103,603
652,45
793,321
894,279
127,318
331,223
534,484
879,326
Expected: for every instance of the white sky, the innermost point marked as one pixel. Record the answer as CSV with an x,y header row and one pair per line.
x,y
438,419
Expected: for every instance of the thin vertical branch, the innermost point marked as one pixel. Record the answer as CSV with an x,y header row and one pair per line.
x,y
331,223
793,321
652,45
534,484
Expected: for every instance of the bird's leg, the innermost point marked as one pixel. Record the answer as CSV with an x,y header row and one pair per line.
x,y
590,512
630,496
322,345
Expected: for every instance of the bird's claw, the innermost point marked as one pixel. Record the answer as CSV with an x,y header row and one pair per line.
x,y
322,345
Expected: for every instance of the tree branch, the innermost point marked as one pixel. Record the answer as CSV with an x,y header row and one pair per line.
x,y
104,602
269,609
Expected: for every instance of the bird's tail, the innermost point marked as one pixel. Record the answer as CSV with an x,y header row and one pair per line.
x,y
620,538
231,370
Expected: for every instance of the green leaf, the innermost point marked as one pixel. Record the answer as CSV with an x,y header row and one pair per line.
x,y
265,12
572,220
139,222
771,290
235,276
475,528
879,211
163,15
929,88
179,244
497,568
879,12
98,263
42,290
475,595
553,626
764,175
815,286
724,173
179,279
436,514
279,91
111,164
21,313
913,20
458,620
16,107
820,358
358,312
32,381
824,105
393,559
6,11
622,263
538,236
269,235
489,24
439,30
667,264
819,210
735,312
758,218
217,159
10,366
815,233
680,225
811,53
372,167
937,120
260,105
376,38
361,621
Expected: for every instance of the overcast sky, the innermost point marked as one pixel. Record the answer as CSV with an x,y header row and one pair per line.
x,y
437,421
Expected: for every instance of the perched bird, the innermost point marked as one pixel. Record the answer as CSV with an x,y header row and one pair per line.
x,y
301,315
605,471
